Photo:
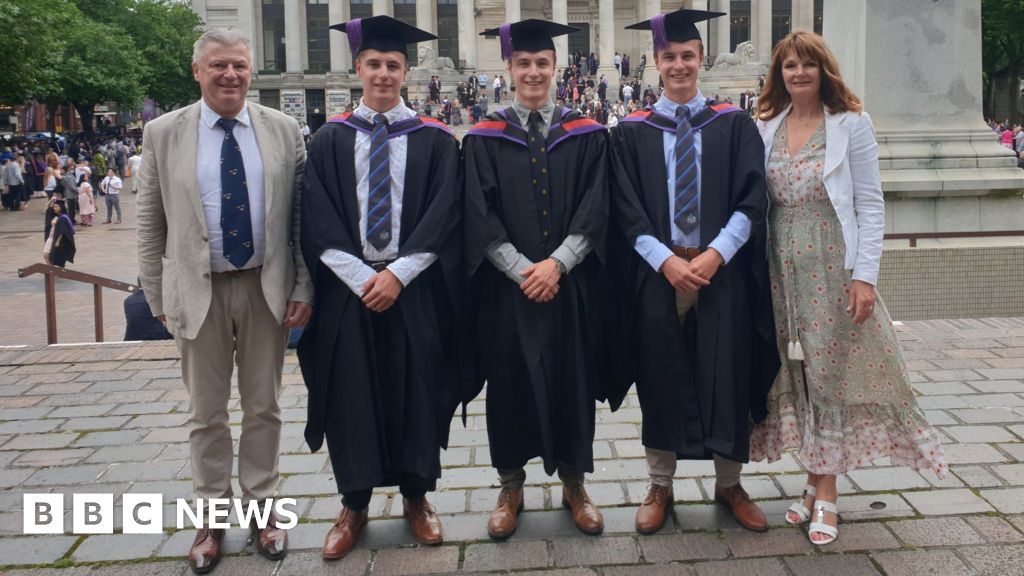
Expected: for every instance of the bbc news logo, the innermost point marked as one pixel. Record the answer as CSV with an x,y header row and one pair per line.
x,y
144,513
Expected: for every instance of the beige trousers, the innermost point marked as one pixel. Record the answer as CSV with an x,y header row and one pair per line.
x,y
239,329
662,463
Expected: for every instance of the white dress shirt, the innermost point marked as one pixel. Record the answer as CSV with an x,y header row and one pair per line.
x,y
211,137
353,271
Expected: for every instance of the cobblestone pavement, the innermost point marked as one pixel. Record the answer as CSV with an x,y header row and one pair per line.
x,y
110,419
106,250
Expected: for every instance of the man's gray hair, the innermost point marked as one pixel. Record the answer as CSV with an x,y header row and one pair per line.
x,y
222,36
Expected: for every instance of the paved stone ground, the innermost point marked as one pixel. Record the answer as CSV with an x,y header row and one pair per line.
x,y
109,419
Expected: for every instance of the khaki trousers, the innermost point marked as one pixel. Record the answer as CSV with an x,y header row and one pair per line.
x,y
662,463
239,329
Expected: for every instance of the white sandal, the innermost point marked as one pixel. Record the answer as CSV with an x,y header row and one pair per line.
x,y
819,527
798,507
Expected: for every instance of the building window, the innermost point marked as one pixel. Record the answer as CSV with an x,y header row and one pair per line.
x,y
782,20
271,99
360,9
578,41
317,40
739,23
448,30
273,35
818,11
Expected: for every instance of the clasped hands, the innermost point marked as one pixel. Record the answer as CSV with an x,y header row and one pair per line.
x,y
541,284
692,275
381,291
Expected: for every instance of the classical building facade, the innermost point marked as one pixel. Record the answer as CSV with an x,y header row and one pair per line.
x,y
305,69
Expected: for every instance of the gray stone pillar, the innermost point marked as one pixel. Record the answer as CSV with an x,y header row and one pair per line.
x,y
341,58
940,163
292,37
467,34
560,14
722,26
426,19
606,48
761,29
651,9
513,11
803,15
383,8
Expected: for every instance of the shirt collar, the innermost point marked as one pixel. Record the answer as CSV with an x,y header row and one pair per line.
x,y
546,111
399,112
209,117
666,107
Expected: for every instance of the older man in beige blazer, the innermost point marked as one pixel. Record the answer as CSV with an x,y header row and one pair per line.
x,y
219,260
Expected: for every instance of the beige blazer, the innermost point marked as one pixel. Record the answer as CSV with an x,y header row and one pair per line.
x,y
174,253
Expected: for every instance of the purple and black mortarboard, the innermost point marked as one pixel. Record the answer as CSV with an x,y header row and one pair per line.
x,y
532,35
382,33
678,26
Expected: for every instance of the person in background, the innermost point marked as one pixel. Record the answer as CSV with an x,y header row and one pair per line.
x,y
60,240
86,202
111,188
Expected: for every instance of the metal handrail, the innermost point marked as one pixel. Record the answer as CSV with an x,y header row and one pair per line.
x,y
914,236
51,273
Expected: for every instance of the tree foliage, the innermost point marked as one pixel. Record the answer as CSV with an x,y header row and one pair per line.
x,y
1002,26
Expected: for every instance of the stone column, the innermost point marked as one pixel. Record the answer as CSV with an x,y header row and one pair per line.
x,y
513,11
606,49
292,37
426,19
560,14
467,34
383,8
702,27
341,59
651,9
761,29
803,15
942,169
722,27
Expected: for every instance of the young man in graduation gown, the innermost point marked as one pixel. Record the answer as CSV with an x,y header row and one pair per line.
x,y
381,201
536,218
690,197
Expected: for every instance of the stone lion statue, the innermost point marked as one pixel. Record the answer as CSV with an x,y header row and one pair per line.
x,y
426,59
744,54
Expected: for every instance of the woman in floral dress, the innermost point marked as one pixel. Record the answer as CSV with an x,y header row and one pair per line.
x,y
842,397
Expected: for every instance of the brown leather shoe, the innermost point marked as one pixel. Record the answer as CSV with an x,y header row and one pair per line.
x,y
206,551
651,515
423,521
272,541
746,512
342,537
505,518
584,513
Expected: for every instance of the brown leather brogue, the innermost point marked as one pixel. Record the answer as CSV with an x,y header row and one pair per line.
x,y
342,537
584,513
272,541
423,521
206,551
653,512
505,518
743,508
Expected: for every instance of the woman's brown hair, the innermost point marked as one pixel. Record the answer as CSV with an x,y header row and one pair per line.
x,y
836,96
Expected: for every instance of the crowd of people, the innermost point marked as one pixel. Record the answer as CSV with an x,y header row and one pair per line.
x,y
1010,136
71,178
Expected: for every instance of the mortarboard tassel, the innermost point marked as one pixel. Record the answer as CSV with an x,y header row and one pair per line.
x,y
354,29
658,30
505,33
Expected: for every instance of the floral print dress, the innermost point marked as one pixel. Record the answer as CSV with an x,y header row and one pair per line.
x,y
849,401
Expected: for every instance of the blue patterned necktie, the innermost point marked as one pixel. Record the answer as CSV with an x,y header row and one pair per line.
x,y
687,204
378,216
235,219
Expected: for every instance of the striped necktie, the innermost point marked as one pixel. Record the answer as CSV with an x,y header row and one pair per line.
x,y
235,219
686,198
378,217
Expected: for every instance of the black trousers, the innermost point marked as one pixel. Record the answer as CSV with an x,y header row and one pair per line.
x,y
412,487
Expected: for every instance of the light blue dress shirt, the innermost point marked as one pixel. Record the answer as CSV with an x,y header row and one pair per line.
x,y
736,231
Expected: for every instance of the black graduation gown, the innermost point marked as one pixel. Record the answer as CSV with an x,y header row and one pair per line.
x,y
382,387
699,383
540,361
63,248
